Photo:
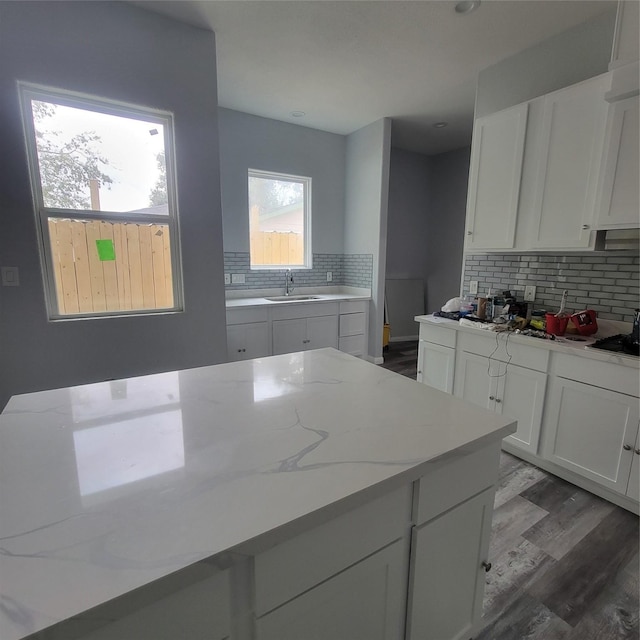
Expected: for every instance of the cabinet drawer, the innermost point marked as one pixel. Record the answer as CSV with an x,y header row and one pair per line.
x,y
455,482
243,316
502,347
353,306
440,335
290,568
353,345
304,310
351,324
606,375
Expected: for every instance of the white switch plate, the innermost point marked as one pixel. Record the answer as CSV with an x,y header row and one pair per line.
x,y
10,276
329,276
529,293
227,278
473,286
237,278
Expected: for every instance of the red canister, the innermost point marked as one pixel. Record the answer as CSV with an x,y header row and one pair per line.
x,y
585,322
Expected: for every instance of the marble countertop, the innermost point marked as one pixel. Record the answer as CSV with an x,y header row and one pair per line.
x,y
107,487
258,298
560,344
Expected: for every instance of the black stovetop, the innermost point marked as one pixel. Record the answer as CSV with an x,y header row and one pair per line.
x,y
620,343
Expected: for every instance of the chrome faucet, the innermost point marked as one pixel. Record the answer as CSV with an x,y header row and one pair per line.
x,y
288,282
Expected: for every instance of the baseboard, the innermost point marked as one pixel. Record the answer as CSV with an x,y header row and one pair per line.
x,y
403,338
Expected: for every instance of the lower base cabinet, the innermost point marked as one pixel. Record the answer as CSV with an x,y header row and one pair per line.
x,y
364,602
435,365
593,433
246,341
447,573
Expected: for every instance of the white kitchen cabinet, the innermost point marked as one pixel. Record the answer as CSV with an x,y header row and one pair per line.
x,y
494,179
507,389
366,601
302,334
618,199
353,327
592,432
633,490
571,135
449,559
436,365
245,341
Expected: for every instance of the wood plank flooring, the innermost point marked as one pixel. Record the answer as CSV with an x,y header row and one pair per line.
x,y
565,562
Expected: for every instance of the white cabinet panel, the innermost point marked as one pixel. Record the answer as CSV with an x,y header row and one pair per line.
x,y
436,365
447,576
572,135
364,602
302,334
322,332
245,341
472,381
587,430
618,199
494,179
352,324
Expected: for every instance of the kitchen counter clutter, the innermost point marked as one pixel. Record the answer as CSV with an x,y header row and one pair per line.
x,y
269,323
258,499
577,407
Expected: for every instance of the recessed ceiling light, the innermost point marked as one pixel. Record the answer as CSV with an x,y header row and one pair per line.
x,y
298,114
440,125
467,6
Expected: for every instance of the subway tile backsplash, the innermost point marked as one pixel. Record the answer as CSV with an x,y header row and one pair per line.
x,y
354,270
609,284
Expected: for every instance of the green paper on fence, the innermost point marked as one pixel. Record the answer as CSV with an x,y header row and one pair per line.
x,y
105,250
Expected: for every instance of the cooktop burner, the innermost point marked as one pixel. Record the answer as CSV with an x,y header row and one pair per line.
x,y
619,344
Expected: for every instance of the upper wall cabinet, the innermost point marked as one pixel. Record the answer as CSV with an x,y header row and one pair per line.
x,y
494,179
568,165
618,201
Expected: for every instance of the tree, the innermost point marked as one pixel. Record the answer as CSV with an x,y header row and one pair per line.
x,y
66,165
158,194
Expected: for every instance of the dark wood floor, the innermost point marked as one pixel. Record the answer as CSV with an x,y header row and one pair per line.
x,y
565,562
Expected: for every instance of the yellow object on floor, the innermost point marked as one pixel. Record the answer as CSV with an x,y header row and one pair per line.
x,y
386,330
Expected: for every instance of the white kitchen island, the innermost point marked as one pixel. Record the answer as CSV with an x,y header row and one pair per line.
x,y
305,496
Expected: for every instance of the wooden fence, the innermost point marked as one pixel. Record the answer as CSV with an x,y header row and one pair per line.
x,y
138,278
275,247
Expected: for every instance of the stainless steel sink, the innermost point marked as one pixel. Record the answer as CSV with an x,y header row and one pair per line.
x,y
291,298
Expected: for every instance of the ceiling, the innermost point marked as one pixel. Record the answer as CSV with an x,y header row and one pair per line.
x,y
346,64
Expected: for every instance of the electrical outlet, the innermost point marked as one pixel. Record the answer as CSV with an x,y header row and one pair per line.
x,y
10,277
227,278
237,278
329,276
473,286
529,293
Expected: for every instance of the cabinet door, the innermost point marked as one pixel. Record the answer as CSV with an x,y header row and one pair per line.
x,y
587,430
572,135
246,341
633,490
447,576
322,332
289,335
473,381
364,602
520,395
618,200
436,365
494,179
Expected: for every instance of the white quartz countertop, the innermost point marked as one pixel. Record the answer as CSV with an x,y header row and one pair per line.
x,y
263,301
108,487
560,344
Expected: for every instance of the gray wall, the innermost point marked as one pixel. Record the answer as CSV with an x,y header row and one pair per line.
x,y
579,53
427,207
113,50
445,226
248,141
367,196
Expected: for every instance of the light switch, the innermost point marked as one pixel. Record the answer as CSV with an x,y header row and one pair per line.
x,y
329,276
237,278
473,286
10,276
529,293
227,278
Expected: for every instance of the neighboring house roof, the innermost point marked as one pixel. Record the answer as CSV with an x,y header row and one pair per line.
x,y
157,209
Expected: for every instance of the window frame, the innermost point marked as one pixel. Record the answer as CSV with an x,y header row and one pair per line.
x,y
27,92
306,234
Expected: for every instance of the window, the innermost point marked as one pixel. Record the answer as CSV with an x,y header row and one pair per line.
x,y
102,175
279,220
